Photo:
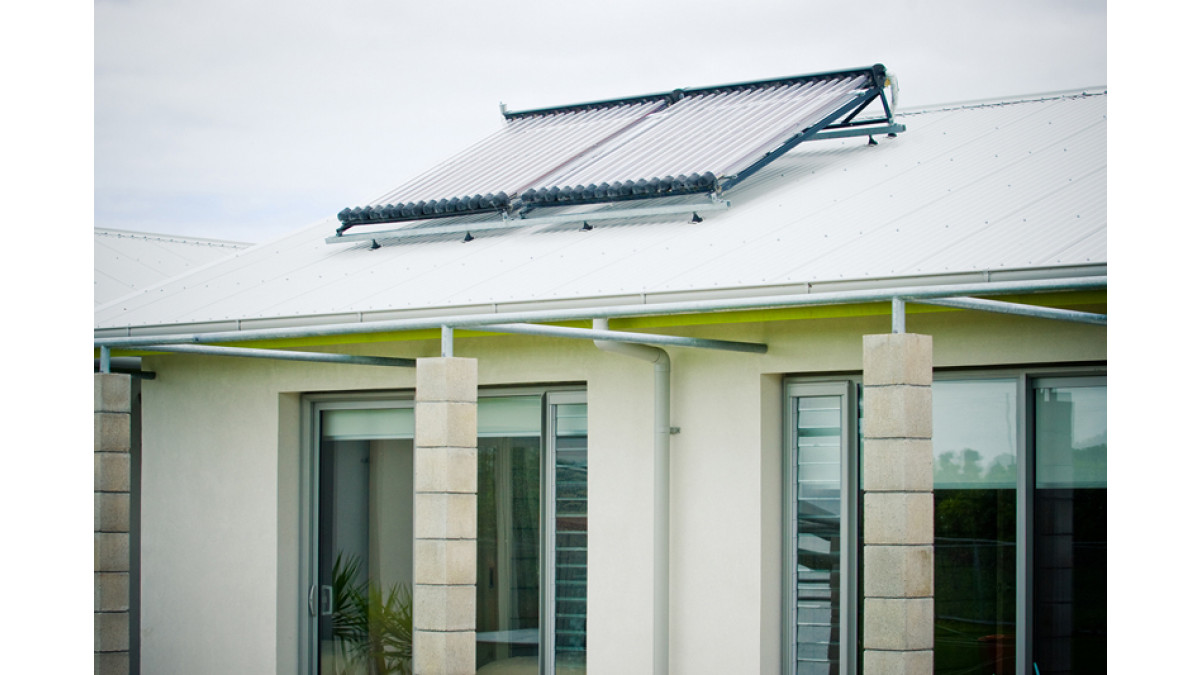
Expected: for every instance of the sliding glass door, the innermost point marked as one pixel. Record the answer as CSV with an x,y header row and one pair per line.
x,y
975,442
1070,519
531,555
1020,530
362,598
508,576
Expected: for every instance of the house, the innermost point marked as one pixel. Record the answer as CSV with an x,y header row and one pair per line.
x,y
757,378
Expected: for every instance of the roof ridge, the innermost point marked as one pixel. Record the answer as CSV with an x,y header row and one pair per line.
x,y
181,239
1002,102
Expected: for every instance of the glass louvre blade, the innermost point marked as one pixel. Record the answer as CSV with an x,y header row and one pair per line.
x,y
570,537
818,492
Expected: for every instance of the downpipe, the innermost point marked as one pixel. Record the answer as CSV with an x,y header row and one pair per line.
x,y
662,484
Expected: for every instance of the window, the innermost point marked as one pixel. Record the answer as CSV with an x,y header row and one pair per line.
x,y
821,502
531,534
1020,494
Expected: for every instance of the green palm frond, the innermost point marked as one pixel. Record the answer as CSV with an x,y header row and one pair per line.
x,y
372,626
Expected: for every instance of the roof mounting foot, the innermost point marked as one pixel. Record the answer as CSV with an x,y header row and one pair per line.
x,y
375,245
871,140
586,227
468,238
696,218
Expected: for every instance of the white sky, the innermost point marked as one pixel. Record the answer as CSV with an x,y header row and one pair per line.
x,y
245,120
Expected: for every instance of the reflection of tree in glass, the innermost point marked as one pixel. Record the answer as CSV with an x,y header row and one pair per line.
x,y
964,466
372,627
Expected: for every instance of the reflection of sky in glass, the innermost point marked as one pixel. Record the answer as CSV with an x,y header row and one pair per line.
x,y
1071,437
977,415
1089,418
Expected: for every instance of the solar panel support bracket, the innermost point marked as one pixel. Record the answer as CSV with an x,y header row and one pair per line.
x,y
857,131
506,221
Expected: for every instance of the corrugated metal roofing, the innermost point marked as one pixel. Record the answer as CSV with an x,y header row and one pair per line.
x,y
687,141
128,261
999,186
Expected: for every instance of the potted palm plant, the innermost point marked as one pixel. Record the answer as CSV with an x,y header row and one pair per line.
x,y
373,627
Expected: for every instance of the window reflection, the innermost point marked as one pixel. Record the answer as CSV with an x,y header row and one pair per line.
x,y
1071,540
508,572
975,553
818,536
364,599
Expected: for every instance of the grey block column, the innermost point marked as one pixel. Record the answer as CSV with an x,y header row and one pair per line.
x,y
897,474
445,470
111,453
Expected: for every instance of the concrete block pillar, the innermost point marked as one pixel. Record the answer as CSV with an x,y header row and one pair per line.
x,y
897,475
445,482
111,453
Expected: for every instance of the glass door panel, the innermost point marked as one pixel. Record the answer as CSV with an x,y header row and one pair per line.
x,y
532,507
363,595
975,535
1070,546
509,510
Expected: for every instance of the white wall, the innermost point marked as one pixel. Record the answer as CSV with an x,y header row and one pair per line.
x,y
221,496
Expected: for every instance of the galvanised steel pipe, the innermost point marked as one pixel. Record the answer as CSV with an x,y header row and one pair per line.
x,y
662,486
350,359
912,294
898,315
623,336
1018,309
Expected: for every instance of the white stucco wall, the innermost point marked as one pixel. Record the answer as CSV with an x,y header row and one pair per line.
x,y
221,484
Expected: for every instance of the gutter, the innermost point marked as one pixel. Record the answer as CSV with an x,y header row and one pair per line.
x,y
662,485
480,320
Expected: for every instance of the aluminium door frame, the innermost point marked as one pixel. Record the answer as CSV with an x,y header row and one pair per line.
x,y
311,407
846,387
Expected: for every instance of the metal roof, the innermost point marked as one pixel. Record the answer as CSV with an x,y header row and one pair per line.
x,y
1015,187
682,142
127,261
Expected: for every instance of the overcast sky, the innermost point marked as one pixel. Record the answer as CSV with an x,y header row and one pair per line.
x,y
245,120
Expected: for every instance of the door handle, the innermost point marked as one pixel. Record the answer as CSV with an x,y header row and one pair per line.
x,y
326,600
312,600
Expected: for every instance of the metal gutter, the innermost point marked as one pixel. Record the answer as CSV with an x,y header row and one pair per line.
x,y
645,297
910,293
